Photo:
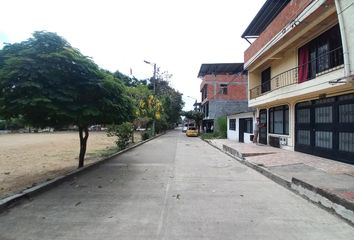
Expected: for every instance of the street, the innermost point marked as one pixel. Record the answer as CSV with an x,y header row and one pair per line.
x,y
172,187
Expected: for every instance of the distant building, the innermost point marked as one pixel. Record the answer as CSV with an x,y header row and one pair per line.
x,y
301,75
223,90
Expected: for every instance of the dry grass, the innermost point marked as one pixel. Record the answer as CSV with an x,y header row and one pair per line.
x,y
30,158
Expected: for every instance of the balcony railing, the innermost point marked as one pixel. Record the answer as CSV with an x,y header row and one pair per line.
x,y
324,63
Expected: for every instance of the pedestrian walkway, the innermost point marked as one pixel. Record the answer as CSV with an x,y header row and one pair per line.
x,y
324,181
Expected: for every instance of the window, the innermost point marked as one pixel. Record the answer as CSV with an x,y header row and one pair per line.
x,y
279,120
232,124
248,125
223,89
265,75
206,110
321,54
205,92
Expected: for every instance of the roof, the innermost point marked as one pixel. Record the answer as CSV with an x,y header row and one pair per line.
x,y
269,10
220,68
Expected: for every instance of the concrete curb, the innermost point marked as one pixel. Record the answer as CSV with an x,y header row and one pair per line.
x,y
323,198
28,193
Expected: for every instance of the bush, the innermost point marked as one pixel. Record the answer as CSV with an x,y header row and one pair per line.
x,y
145,136
221,126
209,135
124,133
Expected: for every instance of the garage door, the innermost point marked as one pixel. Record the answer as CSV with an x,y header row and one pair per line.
x,y
325,127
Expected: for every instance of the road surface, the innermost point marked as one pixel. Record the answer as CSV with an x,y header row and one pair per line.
x,y
172,187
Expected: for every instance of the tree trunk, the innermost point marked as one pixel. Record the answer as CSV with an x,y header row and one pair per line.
x,y
83,144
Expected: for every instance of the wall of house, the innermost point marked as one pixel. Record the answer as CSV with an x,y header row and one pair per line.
x,y
308,89
218,108
293,9
234,134
237,86
345,8
292,103
287,59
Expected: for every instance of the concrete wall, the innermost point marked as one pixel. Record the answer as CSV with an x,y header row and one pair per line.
x,y
234,134
345,8
218,108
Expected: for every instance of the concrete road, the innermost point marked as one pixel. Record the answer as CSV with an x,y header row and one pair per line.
x,y
173,187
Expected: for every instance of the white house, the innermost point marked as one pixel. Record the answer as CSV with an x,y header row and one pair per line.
x,y
240,126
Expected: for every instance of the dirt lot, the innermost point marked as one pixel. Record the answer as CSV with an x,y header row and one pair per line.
x,y
30,158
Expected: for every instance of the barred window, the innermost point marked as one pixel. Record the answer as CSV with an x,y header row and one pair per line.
x,y
232,124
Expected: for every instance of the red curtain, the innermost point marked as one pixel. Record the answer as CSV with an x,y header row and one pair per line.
x,y
303,71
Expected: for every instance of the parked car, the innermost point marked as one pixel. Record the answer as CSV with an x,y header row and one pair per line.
x,y
192,132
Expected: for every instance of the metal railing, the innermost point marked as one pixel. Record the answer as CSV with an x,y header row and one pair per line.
x,y
324,63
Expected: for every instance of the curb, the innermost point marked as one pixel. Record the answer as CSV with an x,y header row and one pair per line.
x,y
323,198
13,200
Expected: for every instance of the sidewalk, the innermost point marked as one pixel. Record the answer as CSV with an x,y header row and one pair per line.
x,y
323,181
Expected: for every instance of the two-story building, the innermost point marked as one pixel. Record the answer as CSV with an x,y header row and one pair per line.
x,y
223,89
300,75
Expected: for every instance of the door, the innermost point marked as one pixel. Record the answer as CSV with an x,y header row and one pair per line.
x,y
325,127
241,129
263,130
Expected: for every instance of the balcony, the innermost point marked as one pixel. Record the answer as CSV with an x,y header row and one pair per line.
x,y
324,63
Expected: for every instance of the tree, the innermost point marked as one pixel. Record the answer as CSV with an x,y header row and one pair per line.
x,y
171,99
51,84
196,116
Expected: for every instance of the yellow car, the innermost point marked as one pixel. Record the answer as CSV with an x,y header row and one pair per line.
x,y
192,132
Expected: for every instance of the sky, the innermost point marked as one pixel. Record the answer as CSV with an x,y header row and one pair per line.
x,y
177,35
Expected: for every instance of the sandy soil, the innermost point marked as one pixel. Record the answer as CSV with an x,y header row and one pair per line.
x,y
30,158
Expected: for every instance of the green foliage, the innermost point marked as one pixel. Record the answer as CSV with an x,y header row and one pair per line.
x,y
221,127
145,136
50,83
12,124
213,135
124,133
128,81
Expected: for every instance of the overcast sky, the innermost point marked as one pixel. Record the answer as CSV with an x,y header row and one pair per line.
x,y
178,35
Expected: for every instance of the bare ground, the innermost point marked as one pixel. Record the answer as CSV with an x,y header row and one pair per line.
x,y
30,158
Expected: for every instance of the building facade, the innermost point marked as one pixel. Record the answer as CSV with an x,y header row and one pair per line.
x,y
240,126
223,91
301,75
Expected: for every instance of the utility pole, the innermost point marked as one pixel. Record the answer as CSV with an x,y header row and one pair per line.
x,y
154,86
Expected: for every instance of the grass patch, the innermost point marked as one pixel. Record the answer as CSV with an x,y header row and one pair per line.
x,y
214,135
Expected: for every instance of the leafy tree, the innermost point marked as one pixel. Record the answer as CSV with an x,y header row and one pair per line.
x,y
196,116
51,84
128,81
171,99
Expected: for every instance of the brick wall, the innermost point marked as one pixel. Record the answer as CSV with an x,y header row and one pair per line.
x,y
236,86
291,11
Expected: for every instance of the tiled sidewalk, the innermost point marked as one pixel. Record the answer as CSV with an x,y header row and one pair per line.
x,y
330,179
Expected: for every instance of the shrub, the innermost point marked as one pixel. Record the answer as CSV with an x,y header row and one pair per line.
x,y
145,136
221,126
124,133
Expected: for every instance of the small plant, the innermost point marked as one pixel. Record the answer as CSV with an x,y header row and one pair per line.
x,y
221,127
213,135
124,133
145,136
